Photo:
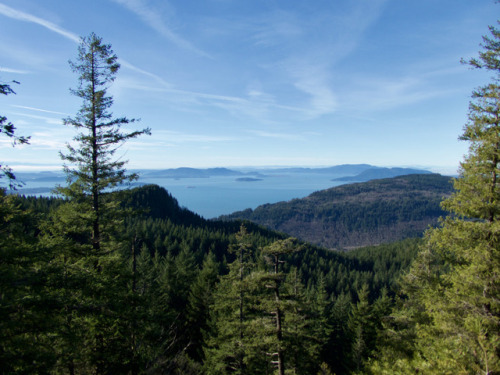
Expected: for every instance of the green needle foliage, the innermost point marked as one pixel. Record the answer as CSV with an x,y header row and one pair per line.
x,y
452,313
24,316
8,129
230,335
92,171
89,271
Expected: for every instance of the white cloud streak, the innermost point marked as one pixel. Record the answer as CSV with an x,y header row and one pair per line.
x,y
314,81
39,110
283,136
178,137
47,120
152,18
46,140
22,16
19,15
262,107
16,71
132,67
376,94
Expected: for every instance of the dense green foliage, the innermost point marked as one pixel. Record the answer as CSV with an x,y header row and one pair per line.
x,y
362,214
83,235
449,319
178,273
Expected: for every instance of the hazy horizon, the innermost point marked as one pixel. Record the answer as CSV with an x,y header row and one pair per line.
x,y
432,168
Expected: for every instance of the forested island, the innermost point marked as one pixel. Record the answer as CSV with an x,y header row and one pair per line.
x,y
102,279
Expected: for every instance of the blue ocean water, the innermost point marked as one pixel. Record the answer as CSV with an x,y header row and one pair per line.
x,y
213,196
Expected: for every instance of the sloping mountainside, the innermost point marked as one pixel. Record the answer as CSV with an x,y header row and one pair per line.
x,y
355,215
164,228
170,287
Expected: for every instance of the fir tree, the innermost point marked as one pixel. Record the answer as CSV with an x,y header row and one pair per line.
x,y
228,341
453,289
199,301
275,252
92,171
90,274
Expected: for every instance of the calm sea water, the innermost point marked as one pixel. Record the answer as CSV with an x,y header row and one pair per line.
x,y
215,196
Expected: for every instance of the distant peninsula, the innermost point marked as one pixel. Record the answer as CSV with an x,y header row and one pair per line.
x,y
190,173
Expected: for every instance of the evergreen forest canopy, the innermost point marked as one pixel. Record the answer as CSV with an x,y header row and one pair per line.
x,y
362,214
104,280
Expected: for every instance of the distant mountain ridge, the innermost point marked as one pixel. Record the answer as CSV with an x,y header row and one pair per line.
x,y
342,172
342,169
185,172
347,172
373,173
361,214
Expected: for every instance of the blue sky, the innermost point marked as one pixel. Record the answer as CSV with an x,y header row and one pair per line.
x,y
253,83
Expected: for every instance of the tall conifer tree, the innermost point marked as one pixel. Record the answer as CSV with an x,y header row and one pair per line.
x,y
91,169
227,350
89,273
453,306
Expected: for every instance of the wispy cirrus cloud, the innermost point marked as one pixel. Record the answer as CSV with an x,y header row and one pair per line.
x,y
16,71
26,17
153,19
22,16
256,105
385,93
314,81
275,135
46,140
40,140
45,119
275,28
134,68
39,110
298,48
311,69
174,137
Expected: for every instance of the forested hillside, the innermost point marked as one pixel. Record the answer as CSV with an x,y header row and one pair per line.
x,y
176,271
362,214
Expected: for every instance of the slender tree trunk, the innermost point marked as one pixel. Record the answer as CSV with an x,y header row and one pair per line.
x,y
240,354
493,185
96,242
279,332
133,348
134,267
